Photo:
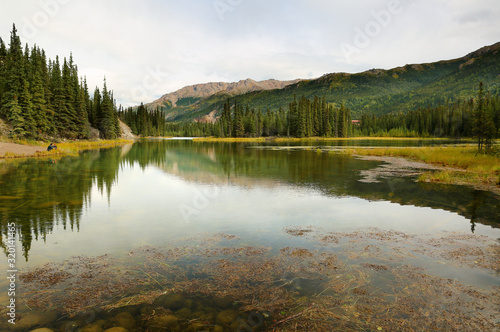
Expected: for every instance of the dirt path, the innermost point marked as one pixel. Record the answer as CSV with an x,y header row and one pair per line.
x,y
19,149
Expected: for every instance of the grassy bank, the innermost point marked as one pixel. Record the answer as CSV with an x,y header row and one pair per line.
x,y
464,165
63,148
75,147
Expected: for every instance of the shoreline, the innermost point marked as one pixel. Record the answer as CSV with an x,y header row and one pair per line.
x,y
13,150
455,165
325,139
460,165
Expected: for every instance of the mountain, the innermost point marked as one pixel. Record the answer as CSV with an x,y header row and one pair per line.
x,y
191,95
376,91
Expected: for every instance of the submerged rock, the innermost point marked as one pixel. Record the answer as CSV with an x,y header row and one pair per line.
x,y
91,328
125,320
116,329
170,301
97,326
43,329
164,322
36,318
196,327
184,313
223,303
227,317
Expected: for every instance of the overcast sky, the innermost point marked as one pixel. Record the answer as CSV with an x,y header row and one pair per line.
x,y
146,48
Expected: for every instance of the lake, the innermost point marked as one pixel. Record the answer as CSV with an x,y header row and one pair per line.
x,y
179,235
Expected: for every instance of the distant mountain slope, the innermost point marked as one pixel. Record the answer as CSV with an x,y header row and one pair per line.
x,y
190,95
375,91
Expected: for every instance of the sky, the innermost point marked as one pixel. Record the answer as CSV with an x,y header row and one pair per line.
x,y
147,48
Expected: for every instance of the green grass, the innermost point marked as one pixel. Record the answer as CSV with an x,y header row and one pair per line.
x,y
467,166
77,146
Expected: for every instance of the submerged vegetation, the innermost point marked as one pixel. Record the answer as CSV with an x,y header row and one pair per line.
x,y
363,280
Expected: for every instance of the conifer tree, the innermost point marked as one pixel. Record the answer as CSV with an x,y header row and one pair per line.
x,y
58,101
26,106
47,98
69,92
39,103
15,117
239,128
82,123
483,127
14,71
3,69
106,119
226,120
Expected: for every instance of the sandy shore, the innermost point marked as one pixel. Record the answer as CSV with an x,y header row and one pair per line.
x,y
19,149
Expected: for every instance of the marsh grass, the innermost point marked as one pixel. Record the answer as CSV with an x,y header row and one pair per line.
x,y
468,165
77,146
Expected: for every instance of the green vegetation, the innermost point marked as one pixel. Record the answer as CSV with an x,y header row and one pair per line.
x,y
304,118
143,122
43,99
483,125
478,117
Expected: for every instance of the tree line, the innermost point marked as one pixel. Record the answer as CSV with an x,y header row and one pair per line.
x,y
43,98
304,118
143,122
476,117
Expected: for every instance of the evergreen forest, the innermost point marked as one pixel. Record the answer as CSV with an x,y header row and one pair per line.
x,y
42,98
475,117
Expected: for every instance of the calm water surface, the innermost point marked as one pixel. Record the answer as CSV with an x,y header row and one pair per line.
x,y
153,192
157,192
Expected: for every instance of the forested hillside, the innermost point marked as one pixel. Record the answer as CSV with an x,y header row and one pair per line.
x,y
42,98
375,91
474,117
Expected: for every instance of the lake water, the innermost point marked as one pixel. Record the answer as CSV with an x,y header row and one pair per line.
x,y
130,210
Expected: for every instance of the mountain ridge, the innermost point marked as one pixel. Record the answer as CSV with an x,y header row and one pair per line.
x,y
202,90
377,91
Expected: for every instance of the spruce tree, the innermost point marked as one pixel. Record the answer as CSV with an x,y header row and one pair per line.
x,y
39,104
3,70
107,124
58,101
70,88
15,117
483,126
239,129
27,111
14,73
82,123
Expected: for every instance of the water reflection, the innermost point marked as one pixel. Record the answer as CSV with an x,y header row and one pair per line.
x,y
39,194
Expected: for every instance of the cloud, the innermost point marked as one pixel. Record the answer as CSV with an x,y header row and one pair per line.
x,y
197,41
